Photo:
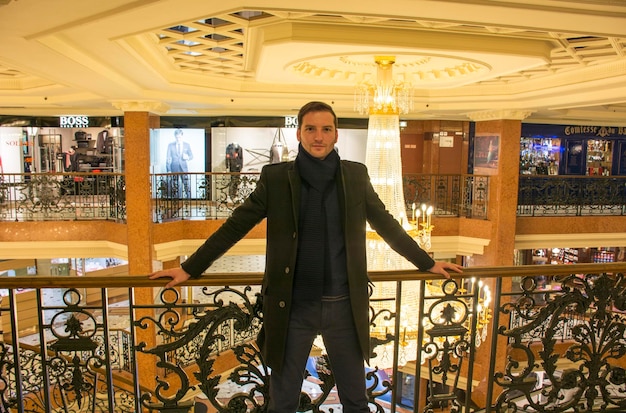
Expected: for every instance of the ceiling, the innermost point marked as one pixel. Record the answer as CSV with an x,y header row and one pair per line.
x,y
549,61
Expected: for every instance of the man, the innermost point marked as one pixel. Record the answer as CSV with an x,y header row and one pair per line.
x,y
316,267
178,153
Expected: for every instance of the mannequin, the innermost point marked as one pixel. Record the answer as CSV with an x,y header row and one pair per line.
x,y
234,163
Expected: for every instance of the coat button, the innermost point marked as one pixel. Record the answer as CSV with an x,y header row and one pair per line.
x,y
286,270
294,235
281,304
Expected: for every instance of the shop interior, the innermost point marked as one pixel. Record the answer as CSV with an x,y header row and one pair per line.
x,y
90,149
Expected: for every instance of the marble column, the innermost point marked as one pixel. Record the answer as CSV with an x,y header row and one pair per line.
x,y
506,126
503,170
138,120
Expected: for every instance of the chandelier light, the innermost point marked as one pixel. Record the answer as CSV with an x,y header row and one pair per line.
x,y
383,101
385,96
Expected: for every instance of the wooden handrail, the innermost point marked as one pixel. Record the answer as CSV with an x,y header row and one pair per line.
x,y
255,278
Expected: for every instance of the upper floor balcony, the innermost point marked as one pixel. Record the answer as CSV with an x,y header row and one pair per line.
x,y
102,196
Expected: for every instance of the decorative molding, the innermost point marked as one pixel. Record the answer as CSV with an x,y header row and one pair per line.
x,y
581,240
62,249
451,246
141,106
499,114
168,251
443,247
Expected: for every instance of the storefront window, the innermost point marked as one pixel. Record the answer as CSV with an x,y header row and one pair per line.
x,y
539,156
599,159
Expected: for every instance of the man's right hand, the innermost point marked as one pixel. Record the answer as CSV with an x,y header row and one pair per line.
x,y
178,275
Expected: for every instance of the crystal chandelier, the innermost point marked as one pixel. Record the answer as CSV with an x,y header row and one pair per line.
x,y
386,95
446,320
384,100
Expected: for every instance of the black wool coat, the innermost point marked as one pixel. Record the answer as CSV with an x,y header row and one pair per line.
x,y
277,198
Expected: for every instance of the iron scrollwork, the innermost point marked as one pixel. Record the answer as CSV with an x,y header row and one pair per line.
x,y
199,340
593,378
447,346
193,336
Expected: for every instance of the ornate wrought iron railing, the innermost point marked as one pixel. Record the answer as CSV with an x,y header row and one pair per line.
x,y
541,195
62,196
450,195
102,196
200,195
215,195
434,344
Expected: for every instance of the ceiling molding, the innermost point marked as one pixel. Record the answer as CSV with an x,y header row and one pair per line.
x,y
547,57
499,114
62,249
581,240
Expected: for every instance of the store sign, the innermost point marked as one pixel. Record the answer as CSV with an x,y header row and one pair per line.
x,y
555,131
74,121
601,131
291,121
10,150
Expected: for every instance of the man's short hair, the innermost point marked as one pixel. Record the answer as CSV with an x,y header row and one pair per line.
x,y
316,107
178,132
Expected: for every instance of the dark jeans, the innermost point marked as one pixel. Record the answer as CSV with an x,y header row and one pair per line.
x,y
333,320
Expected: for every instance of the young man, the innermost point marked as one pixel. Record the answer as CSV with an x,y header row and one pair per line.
x,y
316,267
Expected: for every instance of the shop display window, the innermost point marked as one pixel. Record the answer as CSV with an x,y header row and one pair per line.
x,y
539,156
599,157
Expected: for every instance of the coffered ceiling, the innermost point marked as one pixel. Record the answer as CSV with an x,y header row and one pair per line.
x,y
546,61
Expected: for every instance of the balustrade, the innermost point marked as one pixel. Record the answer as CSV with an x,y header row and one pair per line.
x,y
540,195
102,196
491,341
62,196
176,196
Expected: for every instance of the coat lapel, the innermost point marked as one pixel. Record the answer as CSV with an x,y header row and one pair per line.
x,y
294,186
341,192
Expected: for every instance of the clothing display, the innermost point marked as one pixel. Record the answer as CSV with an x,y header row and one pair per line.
x,y
279,152
102,136
234,163
234,157
105,142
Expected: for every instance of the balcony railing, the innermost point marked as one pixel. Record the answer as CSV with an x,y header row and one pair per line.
x,y
215,195
62,196
102,196
541,195
558,347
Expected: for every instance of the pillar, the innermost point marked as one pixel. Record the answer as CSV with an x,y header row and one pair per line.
x,y
138,121
502,213
506,126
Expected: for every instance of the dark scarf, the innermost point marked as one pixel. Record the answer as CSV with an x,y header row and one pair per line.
x,y
318,178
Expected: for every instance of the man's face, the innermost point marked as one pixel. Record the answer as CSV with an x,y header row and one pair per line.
x,y
317,134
